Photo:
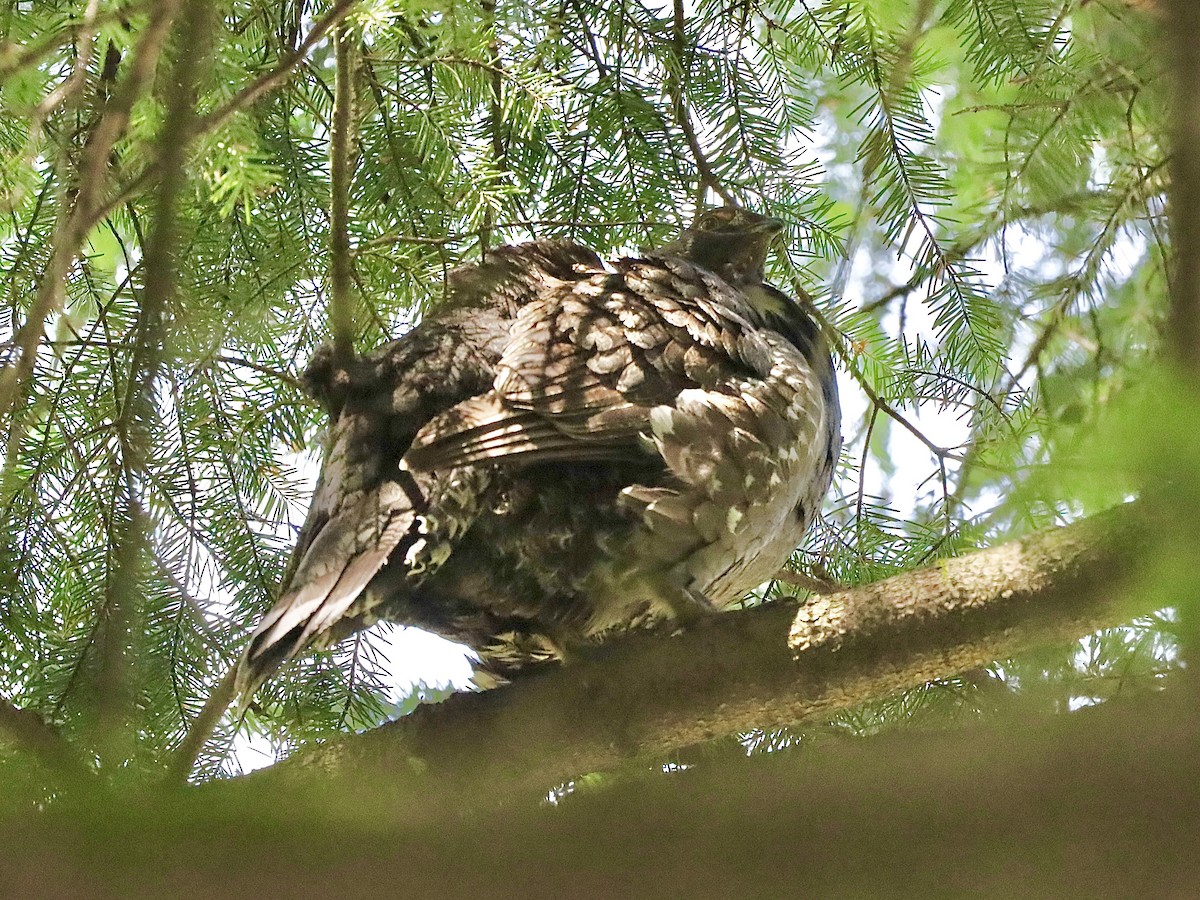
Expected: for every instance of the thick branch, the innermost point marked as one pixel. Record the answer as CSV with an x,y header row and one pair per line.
x,y
1184,19
1101,803
650,694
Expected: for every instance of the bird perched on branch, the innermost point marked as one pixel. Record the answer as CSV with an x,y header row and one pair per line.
x,y
567,448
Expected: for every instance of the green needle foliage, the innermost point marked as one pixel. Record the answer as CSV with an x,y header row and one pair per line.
x,y
975,193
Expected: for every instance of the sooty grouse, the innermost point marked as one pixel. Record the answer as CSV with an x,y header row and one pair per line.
x,y
565,448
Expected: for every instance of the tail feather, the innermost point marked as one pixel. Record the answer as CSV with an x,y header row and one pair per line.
x,y
339,563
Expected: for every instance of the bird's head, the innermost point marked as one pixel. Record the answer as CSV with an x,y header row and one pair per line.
x,y
730,242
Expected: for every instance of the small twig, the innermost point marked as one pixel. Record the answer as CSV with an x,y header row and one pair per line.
x,y
386,240
202,728
886,408
495,114
593,50
677,89
286,377
808,582
862,471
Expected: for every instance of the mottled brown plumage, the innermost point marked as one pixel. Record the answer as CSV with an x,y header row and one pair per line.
x,y
566,449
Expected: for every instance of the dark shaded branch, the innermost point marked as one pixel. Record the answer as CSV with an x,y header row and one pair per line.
x,y
29,731
1183,333
1184,22
650,694
1100,803
341,169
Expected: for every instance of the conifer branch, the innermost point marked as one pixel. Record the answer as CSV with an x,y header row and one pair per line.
x,y
138,415
677,89
341,169
79,32
242,100
76,218
1183,26
85,40
183,760
495,113
29,731
652,694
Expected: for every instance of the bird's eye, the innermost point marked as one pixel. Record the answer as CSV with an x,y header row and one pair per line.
x,y
717,219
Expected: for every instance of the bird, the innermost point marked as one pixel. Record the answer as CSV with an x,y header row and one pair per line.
x,y
564,450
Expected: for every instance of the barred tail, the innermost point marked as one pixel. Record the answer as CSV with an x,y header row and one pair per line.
x,y
326,586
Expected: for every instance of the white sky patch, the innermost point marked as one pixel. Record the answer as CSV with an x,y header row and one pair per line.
x,y
416,657
253,751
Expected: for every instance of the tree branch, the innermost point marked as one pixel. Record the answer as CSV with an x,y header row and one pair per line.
x,y
77,218
650,694
26,729
243,99
1184,18
180,766
677,90
1183,331
1100,803
341,170
138,416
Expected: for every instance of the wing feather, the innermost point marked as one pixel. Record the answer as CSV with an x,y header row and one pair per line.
x,y
584,365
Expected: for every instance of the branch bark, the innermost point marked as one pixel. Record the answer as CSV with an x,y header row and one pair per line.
x,y
1183,20
650,694
1100,803
341,170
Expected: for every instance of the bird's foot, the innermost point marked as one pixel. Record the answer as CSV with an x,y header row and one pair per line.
x,y
817,580
691,608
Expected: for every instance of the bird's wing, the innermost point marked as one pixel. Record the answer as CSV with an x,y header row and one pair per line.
x,y
587,363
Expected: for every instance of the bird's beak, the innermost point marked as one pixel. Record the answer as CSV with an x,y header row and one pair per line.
x,y
772,225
